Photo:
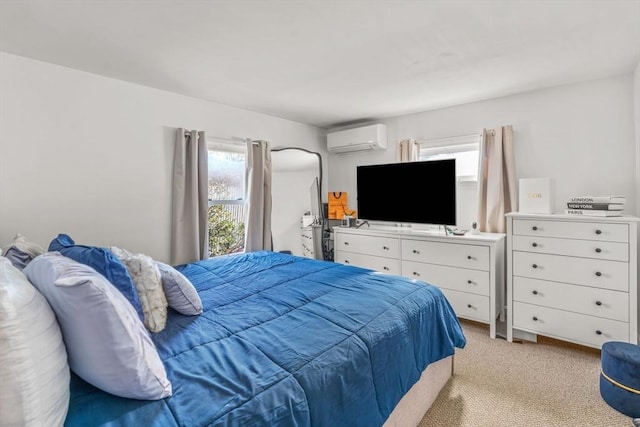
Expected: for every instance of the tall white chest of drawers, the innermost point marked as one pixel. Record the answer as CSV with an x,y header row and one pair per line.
x,y
573,278
468,269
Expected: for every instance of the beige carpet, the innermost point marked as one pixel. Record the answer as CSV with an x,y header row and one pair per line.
x,y
497,383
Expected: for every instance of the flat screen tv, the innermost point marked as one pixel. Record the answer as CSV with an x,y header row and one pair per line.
x,y
414,192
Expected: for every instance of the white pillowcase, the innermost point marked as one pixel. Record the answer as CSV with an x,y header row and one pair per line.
x,y
20,252
20,242
107,344
34,374
181,294
146,277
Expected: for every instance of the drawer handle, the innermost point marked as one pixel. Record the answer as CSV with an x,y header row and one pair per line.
x,y
346,261
598,274
415,251
598,332
385,248
534,228
469,306
535,292
535,319
415,273
535,245
385,268
535,266
598,302
598,231
469,257
346,243
598,250
469,282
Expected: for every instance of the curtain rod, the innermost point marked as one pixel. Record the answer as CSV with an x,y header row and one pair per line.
x,y
472,135
233,139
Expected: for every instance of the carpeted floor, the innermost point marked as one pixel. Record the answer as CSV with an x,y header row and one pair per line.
x,y
545,384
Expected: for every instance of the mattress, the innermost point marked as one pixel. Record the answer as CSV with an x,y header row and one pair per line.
x,y
287,341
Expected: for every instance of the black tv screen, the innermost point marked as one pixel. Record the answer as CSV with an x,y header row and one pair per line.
x,y
414,192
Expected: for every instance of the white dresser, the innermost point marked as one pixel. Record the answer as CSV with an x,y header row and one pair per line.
x,y
468,269
311,236
573,279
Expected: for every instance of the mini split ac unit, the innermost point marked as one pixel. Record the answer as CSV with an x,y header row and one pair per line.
x,y
364,138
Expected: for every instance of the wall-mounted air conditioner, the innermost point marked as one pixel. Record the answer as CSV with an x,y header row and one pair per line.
x,y
364,138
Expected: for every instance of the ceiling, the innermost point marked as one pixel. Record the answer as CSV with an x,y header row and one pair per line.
x,y
330,63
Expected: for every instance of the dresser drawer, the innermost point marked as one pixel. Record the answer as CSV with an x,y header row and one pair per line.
x,y
467,305
450,254
589,272
371,245
459,279
572,230
381,264
580,328
578,299
581,248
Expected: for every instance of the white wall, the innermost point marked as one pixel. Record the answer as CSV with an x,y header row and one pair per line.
x,y
92,157
580,135
636,109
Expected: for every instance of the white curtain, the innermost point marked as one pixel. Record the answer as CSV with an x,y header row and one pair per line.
x,y
407,151
258,185
497,194
189,231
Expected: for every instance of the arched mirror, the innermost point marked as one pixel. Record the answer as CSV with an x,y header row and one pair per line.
x,y
297,215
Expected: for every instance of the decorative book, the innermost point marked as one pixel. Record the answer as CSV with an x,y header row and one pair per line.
x,y
598,199
597,206
592,212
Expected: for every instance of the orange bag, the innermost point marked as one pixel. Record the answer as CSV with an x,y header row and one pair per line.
x,y
338,206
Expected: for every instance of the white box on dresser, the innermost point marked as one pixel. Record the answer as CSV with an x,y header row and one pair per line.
x,y
573,278
468,269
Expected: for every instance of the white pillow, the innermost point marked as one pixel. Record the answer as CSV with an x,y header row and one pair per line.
x,y
181,294
34,374
146,277
107,344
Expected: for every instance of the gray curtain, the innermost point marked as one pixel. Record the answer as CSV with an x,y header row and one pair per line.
x,y
258,185
496,179
407,151
189,231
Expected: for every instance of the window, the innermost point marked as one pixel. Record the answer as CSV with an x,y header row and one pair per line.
x,y
465,150
226,214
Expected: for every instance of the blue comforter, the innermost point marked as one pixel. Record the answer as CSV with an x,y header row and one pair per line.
x,y
287,341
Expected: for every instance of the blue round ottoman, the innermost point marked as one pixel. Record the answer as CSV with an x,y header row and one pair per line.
x,y
620,377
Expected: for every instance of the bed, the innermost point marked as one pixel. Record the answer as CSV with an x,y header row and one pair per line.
x,y
290,341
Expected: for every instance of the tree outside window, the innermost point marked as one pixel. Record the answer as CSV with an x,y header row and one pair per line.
x,y
226,214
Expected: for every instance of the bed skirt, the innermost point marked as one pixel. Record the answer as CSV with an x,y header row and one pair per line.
x,y
415,404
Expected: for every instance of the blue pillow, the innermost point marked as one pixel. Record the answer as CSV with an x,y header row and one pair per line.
x,y
104,262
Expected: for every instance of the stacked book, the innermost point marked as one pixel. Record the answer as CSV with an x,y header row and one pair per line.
x,y
595,205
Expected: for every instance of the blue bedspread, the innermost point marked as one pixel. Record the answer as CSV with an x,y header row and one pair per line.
x,y
287,341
